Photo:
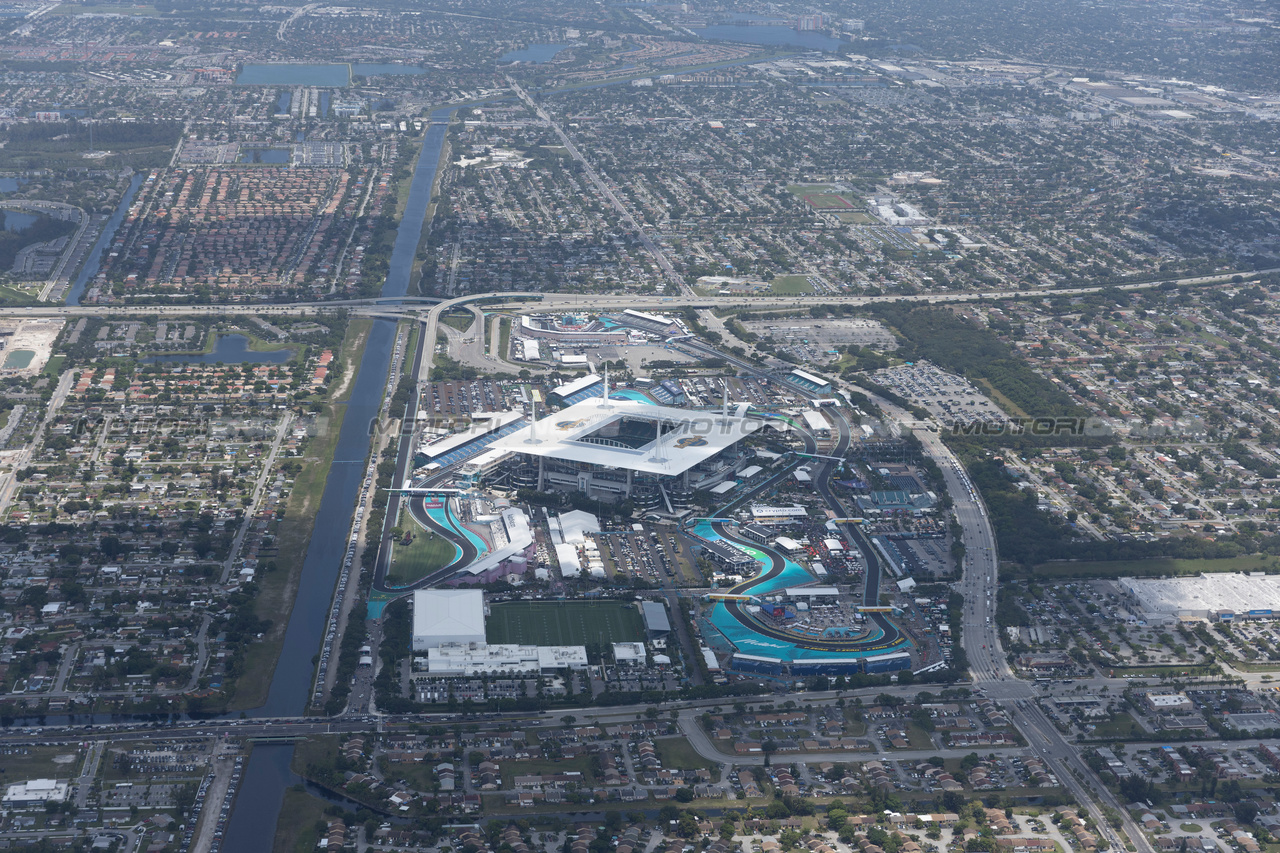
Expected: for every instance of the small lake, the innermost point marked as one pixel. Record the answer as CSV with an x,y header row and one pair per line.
x,y
771,36
228,349
534,53
264,155
290,74
282,103
9,185
16,220
323,74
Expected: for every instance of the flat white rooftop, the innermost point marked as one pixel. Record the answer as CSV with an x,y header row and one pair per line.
x,y
447,615
688,437
1238,593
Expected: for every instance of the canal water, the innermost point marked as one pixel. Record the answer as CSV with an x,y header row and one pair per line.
x,y
91,263
251,827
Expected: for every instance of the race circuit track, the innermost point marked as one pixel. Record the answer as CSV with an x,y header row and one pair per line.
x,y
888,636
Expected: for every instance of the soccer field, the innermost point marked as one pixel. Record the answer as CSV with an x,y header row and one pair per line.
x,y
564,623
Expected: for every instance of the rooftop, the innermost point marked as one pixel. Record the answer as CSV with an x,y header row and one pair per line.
x,y
614,433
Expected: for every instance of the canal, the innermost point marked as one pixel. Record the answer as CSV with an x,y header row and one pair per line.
x,y
94,261
251,827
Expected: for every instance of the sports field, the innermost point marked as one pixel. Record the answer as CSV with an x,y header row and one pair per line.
x,y
564,623
828,201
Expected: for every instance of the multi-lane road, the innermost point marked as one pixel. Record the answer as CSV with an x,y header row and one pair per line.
x,y
982,643
398,305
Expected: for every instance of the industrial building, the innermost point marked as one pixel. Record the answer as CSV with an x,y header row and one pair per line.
x,y
614,450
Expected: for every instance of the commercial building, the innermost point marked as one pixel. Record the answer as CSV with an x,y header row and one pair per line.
x,y
474,659
447,616
629,654
1219,596
613,450
34,793
1168,703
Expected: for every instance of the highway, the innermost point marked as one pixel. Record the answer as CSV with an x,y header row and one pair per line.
x,y
391,306
982,643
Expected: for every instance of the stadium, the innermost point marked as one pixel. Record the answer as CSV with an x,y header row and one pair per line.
x,y
614,450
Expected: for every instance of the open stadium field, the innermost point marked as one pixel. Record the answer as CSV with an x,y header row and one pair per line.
x,y
564,623
828,201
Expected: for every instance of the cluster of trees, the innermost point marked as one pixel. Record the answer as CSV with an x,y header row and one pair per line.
x,y
1028,535
955,344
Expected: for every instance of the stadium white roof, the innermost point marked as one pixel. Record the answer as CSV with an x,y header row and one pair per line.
x,y
576,385
482,423
688,437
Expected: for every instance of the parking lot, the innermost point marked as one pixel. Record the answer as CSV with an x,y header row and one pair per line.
x,y
455,397
950,398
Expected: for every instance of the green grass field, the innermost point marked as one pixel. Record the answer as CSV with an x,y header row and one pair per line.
x,y
790,285
427,552
677,753
1121,726
1150,568
34,762
828,201
564,623
460,320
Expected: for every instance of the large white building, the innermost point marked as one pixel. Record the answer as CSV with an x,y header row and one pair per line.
x,y
447,616
34,793
449,629
1221,596
614,449
473,659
